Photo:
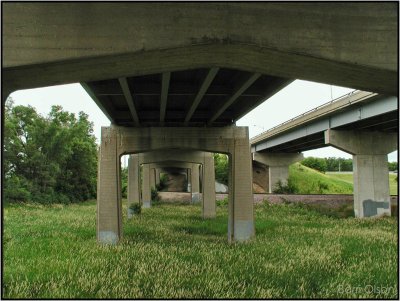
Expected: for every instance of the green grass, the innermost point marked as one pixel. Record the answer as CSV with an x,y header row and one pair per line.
x,y
308,181
348,177
170,252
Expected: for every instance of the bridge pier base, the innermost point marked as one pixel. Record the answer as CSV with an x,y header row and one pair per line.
x,y
370,168
278,166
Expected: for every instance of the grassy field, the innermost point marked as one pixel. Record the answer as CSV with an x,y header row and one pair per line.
x,y
310,181
348,177
170,252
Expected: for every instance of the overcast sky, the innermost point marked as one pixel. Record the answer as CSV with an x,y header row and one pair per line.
x,y
295,99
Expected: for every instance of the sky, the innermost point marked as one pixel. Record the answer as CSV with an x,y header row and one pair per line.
x,y
295,99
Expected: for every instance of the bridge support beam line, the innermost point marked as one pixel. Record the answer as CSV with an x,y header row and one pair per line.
x,y
133,182
166,76
203,89
239,91
278,164
129,99
117,141
370,168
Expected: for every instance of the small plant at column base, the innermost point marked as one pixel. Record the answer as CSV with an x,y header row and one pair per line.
x,y
155,197
135,208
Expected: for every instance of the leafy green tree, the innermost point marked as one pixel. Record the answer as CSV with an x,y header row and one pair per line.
x,y
315,163
124,182
393,166
221,168
52,159
339,164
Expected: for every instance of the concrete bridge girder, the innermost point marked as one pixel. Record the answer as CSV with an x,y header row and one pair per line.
x,y
117,141
304,41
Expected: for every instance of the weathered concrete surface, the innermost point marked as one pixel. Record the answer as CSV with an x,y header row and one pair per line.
x,y
370,166
109,208
209,187
146,188
133,182
347,44
195,178
233,141
278,166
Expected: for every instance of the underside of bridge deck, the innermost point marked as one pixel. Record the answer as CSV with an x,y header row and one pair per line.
x,y
197,97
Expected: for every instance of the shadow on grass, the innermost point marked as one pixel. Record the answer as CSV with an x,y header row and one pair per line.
x,y
204,230
340,212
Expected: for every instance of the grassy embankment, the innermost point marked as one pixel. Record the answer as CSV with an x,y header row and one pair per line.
x,y
170,252
310,181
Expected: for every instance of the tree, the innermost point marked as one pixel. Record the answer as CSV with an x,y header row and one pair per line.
x,y
393,166
221,168
52,159
315,163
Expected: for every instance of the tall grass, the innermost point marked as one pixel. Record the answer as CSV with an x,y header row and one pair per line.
x,y
170,252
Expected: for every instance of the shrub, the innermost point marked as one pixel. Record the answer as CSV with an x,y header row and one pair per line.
x,y
154,195
163,182
322,187
17,189
290,187
223,202
136,208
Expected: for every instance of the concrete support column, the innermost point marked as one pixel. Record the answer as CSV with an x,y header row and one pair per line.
x,y
370,168
133,182
146,190
278,164
152,178
241,216
189,180
195,183
195,178
157,176
109,209
209,187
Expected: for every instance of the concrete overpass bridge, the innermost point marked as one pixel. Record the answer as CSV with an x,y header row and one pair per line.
x,y
364,124
178,75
